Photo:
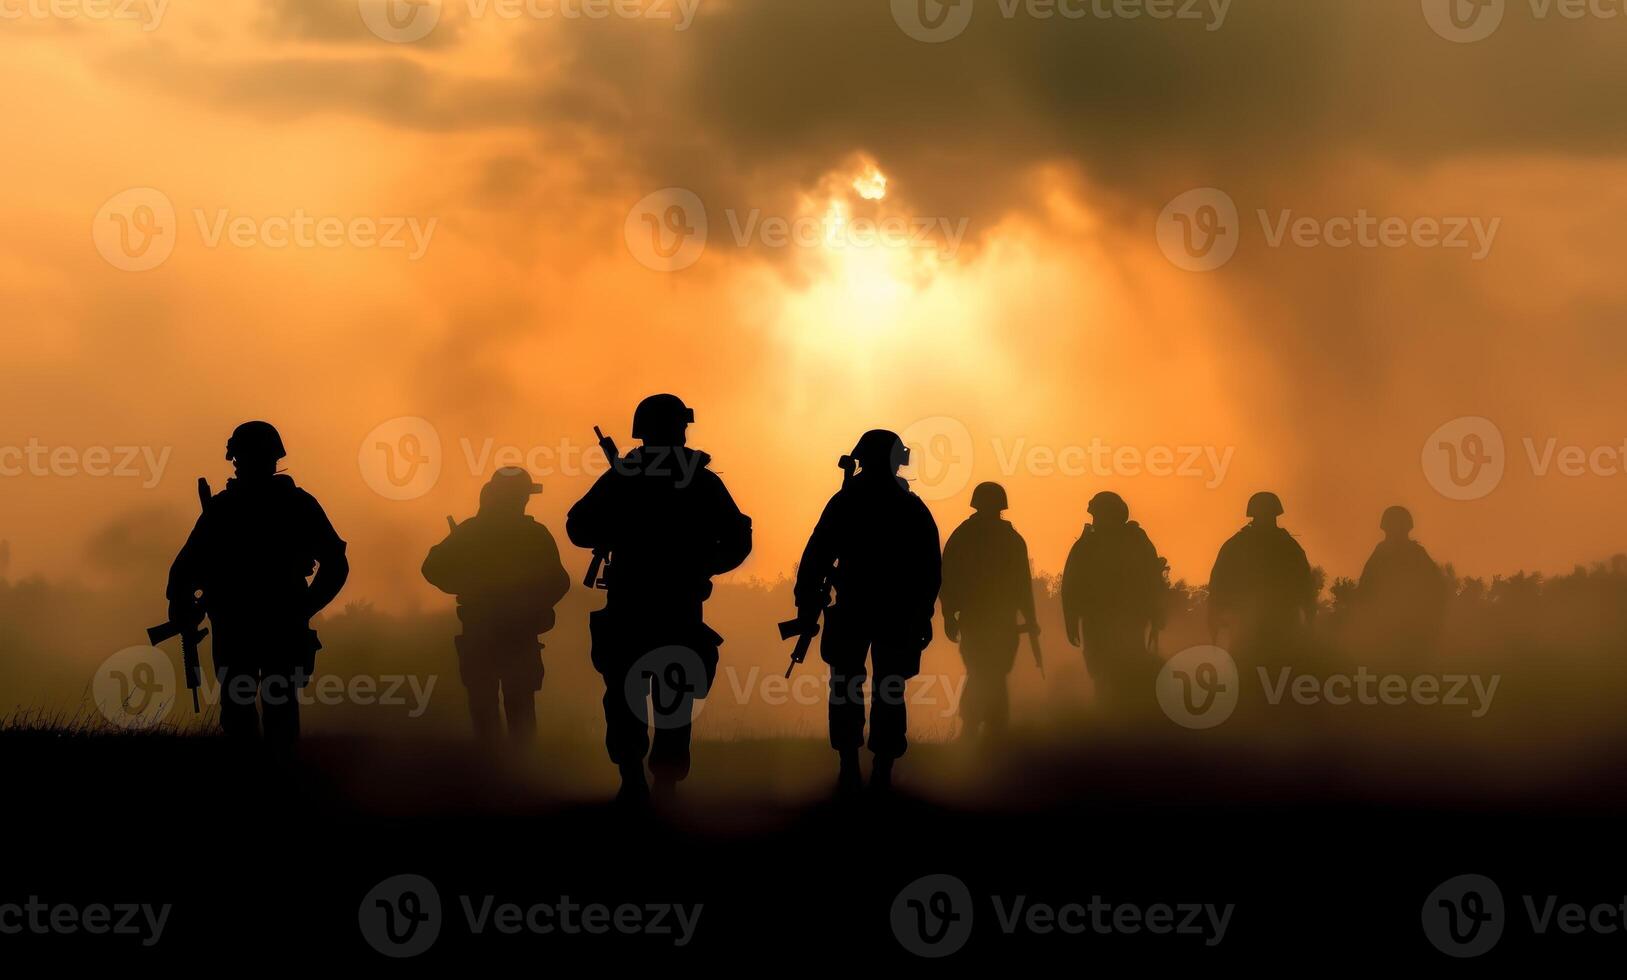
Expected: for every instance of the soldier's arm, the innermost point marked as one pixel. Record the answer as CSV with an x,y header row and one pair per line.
x,y
1311,598
930,550
590,522
186,578
440,566
1367,571
328,549
733,531
950,597
1438,586
812,591
1073,604
1025,584
556,582
1157,588
1218,600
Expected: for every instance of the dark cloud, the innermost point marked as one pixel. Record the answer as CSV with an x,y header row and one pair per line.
x,y
761,94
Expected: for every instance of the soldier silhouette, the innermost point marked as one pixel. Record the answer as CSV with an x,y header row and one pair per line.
x,y
248,564
877,545
987,586
1262,591
504,568
1402,593
1113,593
668,525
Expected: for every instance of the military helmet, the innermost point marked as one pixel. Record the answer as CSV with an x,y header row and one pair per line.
x,y
990,496
1396,519
1108,507
255,440
660,417
1265,504
881,449
511,480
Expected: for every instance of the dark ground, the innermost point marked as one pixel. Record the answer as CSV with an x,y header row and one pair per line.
x,y
1328,852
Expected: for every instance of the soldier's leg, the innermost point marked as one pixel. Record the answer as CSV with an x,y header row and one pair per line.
x,y
987,663
843,646
971,694
279,706
669,754
480,687
520,709
626,734
1099,665
894,665
997,703
239,699
999,681
481,691
677,683
522,679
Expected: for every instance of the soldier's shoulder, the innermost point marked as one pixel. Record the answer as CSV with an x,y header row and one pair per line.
x,y
536,528
917,505
303,500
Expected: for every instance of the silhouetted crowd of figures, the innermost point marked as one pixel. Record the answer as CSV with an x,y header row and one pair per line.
x,y
263,560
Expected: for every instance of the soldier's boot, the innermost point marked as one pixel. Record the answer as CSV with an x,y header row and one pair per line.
x,y
849,779
881,774
520,708
634,790
483,716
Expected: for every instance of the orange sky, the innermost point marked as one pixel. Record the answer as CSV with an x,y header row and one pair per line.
x,y
1056,334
